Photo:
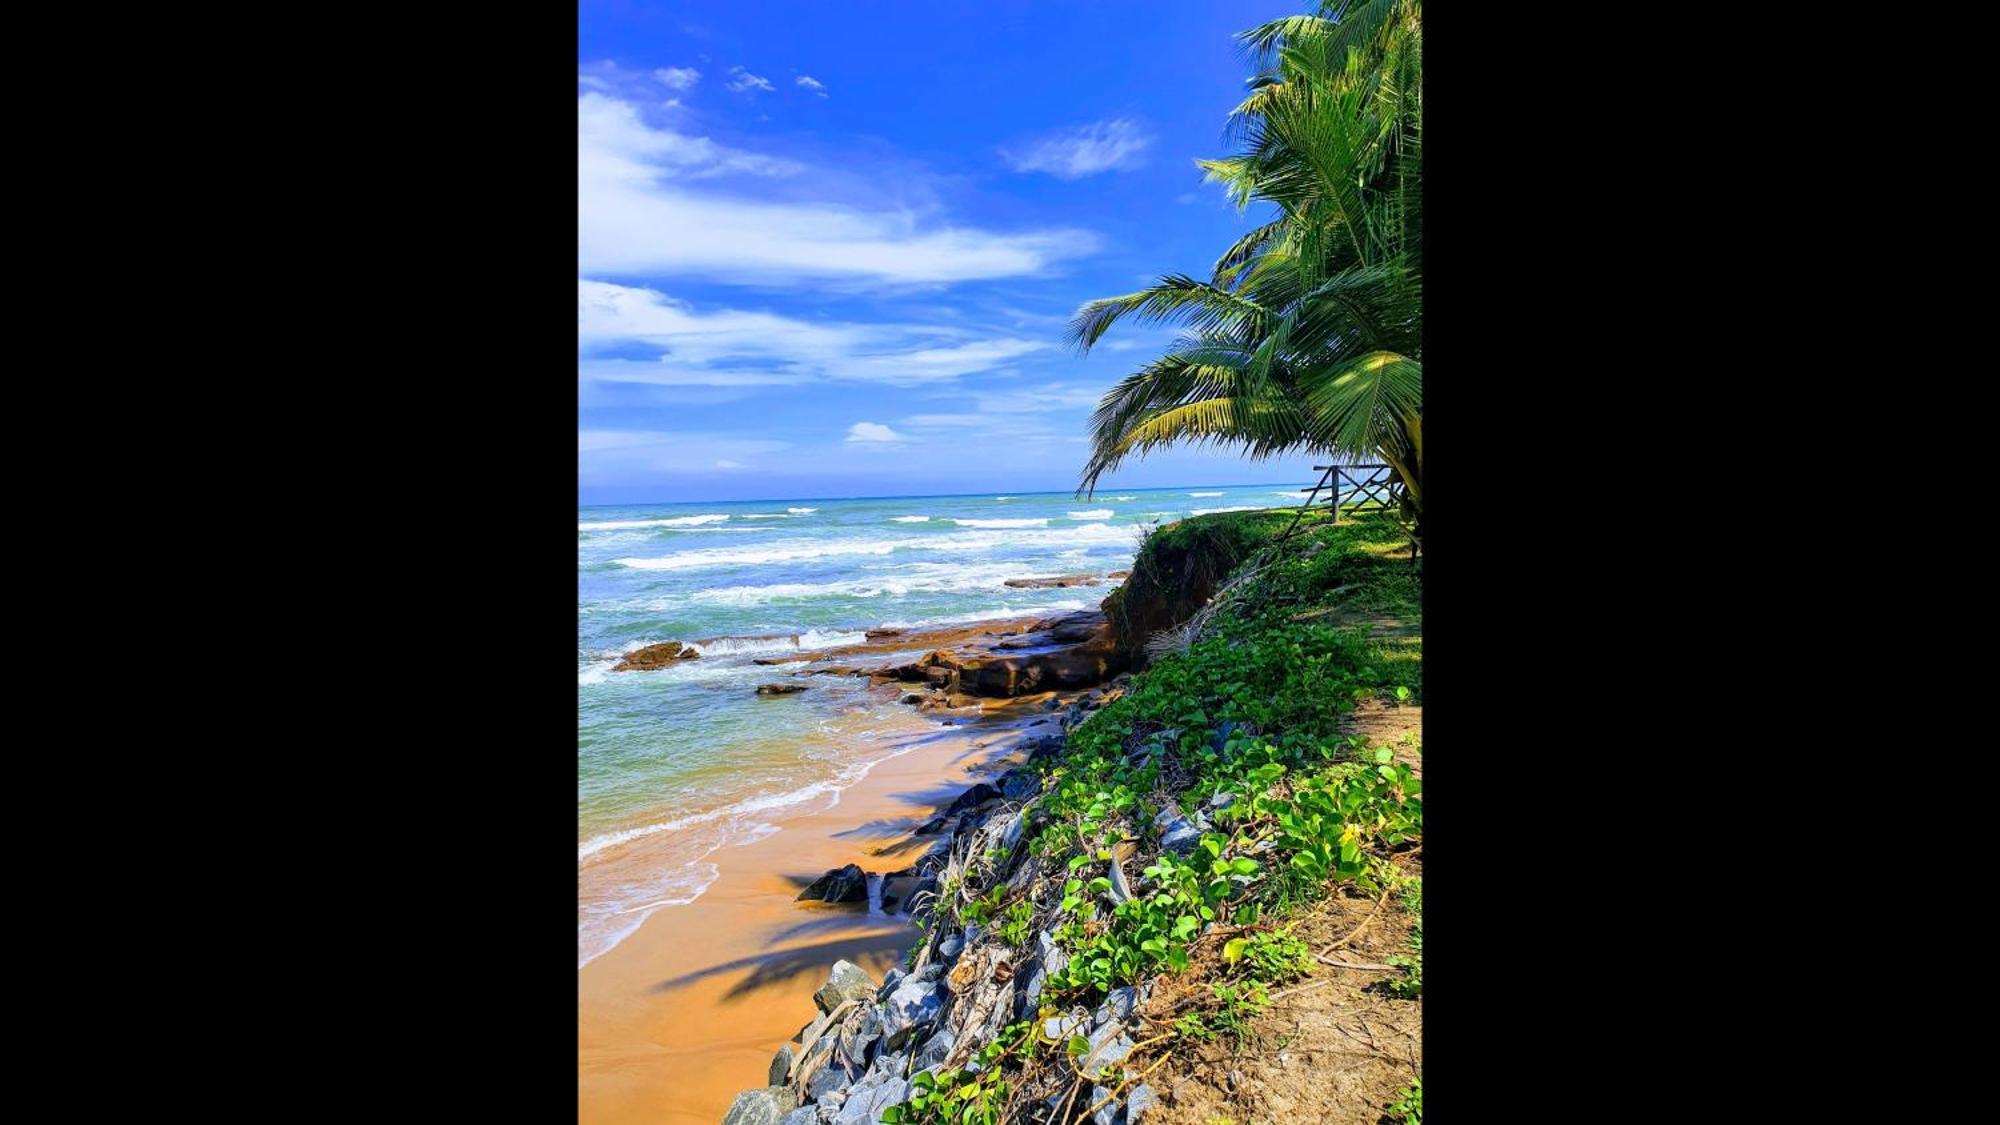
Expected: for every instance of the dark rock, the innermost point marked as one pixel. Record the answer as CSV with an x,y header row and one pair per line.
x,y
1059,582
878,634
767,661
842,884
781,1065
1019,785
1178,834
972,798
832,1075
859,1044
949,948
865,1107
847,981
934,1050
934,827
911,697
654,656
890,980
779,689
913,1005
760,1107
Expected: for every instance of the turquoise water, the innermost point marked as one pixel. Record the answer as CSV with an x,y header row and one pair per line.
x,y
674,765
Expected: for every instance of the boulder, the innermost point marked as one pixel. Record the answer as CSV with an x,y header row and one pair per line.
x,y
1178,834
847,981
761,1107
865,1107
655,656
1120,1004
914,1004
779,689
1059,582
879,634
859,1044
842,884
971,799
1108,1047
1142,1104
1107,1113
1020,785
935,1050
804,1115
781,1065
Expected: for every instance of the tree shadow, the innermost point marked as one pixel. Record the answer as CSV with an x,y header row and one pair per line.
x,y
876,953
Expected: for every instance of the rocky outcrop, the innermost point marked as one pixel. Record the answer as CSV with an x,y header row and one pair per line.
x,y
1059,582
655,656
1067,653
779,689
768,1106
842,884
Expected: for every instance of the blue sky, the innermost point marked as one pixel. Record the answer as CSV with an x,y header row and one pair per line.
x,y
829,249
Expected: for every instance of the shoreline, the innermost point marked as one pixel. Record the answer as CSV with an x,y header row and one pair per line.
x,y
745,954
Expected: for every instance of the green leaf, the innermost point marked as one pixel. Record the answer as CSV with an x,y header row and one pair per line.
x,y
1232,951
1385,755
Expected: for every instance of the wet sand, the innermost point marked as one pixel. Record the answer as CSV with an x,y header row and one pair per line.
x,y
687,1011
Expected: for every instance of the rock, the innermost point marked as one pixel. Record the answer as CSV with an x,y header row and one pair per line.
x,y
913,1005
760,1107
1050,960
779,689
1108,1047
767,661
911,697
1107,1114
842,884
1121,891
1020,785
972,798
934,827
1120,1003
832,1075
934,1050
878,634
781,1065
1059,582
654,656
1141,1103
859,1044
1178,834
847,981
804,1115
1222,800
949,948
865,1107
1059,1029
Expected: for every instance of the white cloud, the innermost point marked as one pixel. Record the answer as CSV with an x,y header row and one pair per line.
x,y
734,347
815,85
678,77
871,432
641,211
742,81
1084,150
728,464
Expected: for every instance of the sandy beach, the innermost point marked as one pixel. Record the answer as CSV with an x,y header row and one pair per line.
x,y
687,1011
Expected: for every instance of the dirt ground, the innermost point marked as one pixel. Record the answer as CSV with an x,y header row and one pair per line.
x,y
1334,1049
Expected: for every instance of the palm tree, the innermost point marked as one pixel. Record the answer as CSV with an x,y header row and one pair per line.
x,y
1309,334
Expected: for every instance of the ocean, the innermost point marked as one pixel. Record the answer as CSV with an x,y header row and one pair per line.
x,y
675,764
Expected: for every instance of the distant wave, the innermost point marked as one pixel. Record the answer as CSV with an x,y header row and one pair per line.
x,y
1003,523
810,639
1294,493
627,525
1204,494
1237,508
1124,497
768,516
1093,514
798,550
1006,497
801,511
911,519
